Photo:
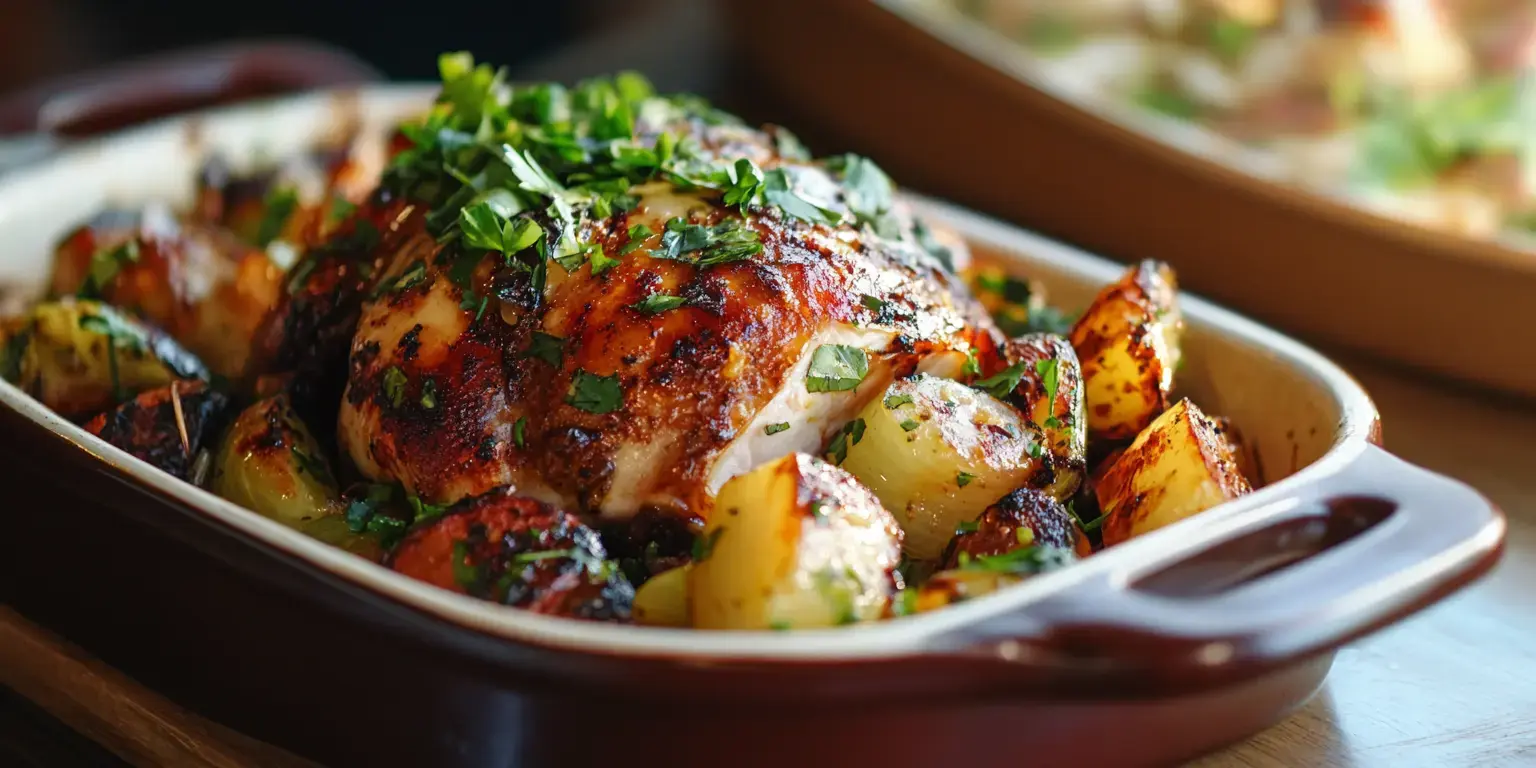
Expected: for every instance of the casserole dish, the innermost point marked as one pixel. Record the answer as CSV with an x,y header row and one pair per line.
x,y
1227,620
1311,264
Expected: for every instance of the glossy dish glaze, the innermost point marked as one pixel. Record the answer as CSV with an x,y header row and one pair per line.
x,y
263,628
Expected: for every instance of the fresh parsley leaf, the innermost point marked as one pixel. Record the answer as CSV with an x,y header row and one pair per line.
x,y
1003,383
1022,561
314,465
468,575
1048,370
774,429
550,349
870,192
872,303
519,430
595,394
637,237
908,425
746,184
964,479
836,368
422,510
725,242
657,303
893,402
429,394
394,385
104,266
967,526
972,366
277,209
779,190
601,262
848,436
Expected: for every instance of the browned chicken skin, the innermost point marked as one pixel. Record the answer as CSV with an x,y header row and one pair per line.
x,y
452,399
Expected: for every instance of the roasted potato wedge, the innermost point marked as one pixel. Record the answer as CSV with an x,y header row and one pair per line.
x,y
517,551
936,452
270,463
1050,394
1179,466
82,357
795,543
1024,518
1128,342
165,427
663,601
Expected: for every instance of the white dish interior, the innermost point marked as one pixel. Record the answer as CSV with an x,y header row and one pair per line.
x,y
1303,415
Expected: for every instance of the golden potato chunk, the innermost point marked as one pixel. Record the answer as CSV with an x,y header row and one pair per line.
x,y
663,601
1128,342
1178,467
937,452
270,464
795,543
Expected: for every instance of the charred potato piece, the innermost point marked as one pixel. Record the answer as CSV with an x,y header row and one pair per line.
x,y
83,357
270,463
1128,342
164,427
795,543
1178,467
935,452
1050,394
199,284
517,551
663,601
1024,518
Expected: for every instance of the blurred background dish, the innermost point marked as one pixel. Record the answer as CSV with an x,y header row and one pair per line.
x,y
1412,115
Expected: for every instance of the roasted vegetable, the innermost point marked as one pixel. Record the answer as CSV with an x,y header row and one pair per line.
x,y
1024,518
983,574
165,427
795,543
271,464
1179,466
1050,394
936,452
336,531
83,357
199,284
663,601
517,551
1128,342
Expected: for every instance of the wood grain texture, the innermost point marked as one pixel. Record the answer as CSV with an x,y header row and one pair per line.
x,y
1454,686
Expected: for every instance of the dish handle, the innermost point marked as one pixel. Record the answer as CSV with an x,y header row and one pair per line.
x,y
1334,560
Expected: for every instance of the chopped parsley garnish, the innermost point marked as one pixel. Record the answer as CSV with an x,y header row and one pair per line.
x,y
1231,39
972,366
550,349
774,429
704,546
467,575
523,558
429,394
1167,101
1024,535
967,526
849,435
637,237
1051,35
277,209
1048,370
394,385
836,368
341,208
657,303
873,303
702,246
595,394
1005,286
870,193
104,266
910,424
414,275
1003,383
964,479
746,184
519,430
313,465
1086,526
779,190
893,402
1021,561
422,510
486,226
